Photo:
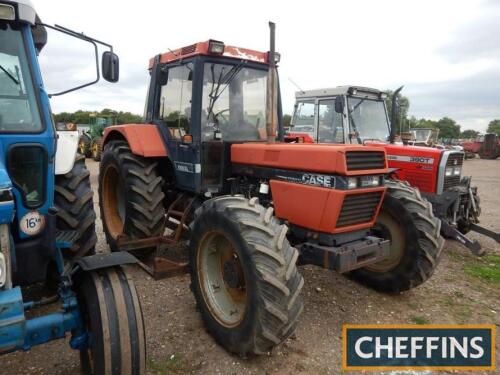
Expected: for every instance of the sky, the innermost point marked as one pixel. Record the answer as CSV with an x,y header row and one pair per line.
x,y
445,53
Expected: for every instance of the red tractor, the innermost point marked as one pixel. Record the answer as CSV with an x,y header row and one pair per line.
x,y
206,165
358,115
490,147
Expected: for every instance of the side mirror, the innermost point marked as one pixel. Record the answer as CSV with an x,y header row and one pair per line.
x,y
110,66
339,104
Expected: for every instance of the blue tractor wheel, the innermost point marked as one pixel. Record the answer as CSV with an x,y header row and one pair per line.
x,y
113,318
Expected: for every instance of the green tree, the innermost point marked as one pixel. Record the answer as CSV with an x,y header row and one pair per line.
x,y
469,133
448,128
286,120
494,127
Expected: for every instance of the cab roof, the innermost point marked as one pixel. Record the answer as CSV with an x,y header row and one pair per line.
x,y
202,48
339,90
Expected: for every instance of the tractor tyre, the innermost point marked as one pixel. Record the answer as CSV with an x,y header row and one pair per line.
x,y
75,208
113,318
130,196
244,275
96,148
84,145
407,220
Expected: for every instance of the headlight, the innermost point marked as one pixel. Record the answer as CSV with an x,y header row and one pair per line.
x,y
352,182
7,12
370,181
215,47
457,171
448,172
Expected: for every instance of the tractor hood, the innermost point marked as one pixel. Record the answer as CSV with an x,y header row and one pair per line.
x,y
324,158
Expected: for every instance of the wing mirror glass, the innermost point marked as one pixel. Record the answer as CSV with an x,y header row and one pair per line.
x,y
110,66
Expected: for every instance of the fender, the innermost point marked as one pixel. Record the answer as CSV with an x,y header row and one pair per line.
x,y
144,139
105,260
67,145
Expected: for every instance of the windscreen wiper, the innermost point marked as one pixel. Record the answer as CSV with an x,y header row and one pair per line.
x,y
9,75
226,80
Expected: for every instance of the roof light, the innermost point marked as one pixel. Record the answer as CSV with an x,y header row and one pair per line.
x,y
7,12
215,47
353,90
277,57
383,95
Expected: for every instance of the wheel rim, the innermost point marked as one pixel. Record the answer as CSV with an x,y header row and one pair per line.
x,y
81,146
113,201
390,229
94,149
221,279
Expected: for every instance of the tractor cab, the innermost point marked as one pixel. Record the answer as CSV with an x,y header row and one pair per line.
x,y
344,114
204,97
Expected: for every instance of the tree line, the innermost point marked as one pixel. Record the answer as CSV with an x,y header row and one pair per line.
x,y
83,117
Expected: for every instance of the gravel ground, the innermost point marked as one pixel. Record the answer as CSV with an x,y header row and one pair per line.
x,y
177,342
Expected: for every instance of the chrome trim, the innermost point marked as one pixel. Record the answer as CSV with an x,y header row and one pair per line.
x,y
442,168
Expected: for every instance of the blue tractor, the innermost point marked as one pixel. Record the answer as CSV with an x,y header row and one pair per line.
x,y
47,219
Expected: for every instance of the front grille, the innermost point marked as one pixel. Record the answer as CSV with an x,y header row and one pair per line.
x,y
358,208
359,160
454,160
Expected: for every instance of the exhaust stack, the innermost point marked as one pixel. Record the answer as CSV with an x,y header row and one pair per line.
x,y
394,114
272,90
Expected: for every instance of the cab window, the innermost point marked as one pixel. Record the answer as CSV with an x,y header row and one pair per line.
x,y
330,129
175,101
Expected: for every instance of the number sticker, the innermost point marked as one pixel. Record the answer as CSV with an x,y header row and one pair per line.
x,y
32,223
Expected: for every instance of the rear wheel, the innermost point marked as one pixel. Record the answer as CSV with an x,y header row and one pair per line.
x,y
113,318
406,219
130,196
96,148
75,208
84,145
244,275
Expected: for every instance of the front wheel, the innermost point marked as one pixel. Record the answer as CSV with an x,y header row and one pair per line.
x,y
244,275
113,318
406,219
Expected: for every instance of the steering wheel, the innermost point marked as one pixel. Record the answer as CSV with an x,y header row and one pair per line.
x,y
220,113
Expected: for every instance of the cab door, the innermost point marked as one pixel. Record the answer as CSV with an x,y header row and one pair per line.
x,y
175,117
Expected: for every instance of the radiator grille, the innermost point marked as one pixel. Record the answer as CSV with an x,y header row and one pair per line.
x,y
358,208
359,160
454,160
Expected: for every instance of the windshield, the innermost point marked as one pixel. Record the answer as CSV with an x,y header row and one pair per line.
x,y
367,119
234,102
18,107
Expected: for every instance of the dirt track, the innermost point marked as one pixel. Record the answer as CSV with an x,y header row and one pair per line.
x,y
177,342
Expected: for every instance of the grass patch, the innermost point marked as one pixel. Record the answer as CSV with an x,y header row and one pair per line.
x,y
173,364
487,268
419,319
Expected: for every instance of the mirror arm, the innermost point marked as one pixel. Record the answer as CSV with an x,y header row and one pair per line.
x,y
85,38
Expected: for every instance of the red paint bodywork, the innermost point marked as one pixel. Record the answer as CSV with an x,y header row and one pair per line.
x,y
421,175
472,146
143,139
322,158
418,174
201,48
313,207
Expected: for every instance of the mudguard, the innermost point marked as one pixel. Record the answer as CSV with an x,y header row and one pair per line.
x,y
99,261
67,145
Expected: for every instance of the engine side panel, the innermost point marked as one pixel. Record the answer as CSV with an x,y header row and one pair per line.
x,y
417,165
305,157
318,208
